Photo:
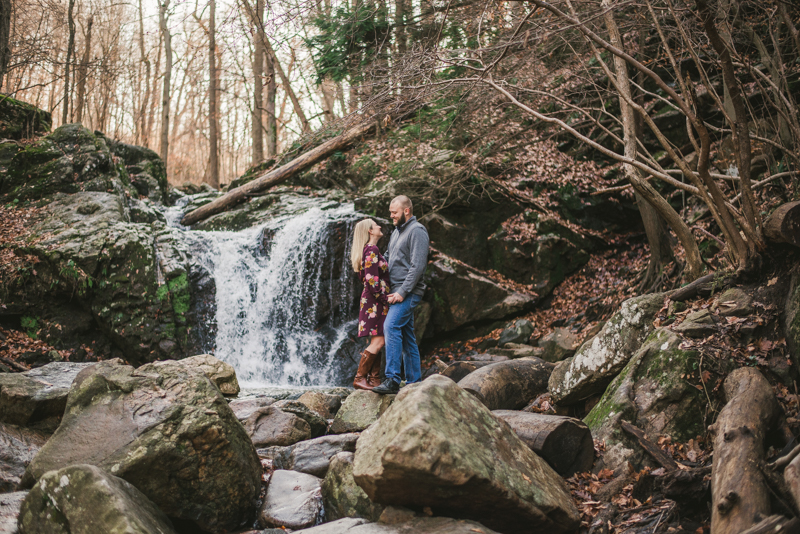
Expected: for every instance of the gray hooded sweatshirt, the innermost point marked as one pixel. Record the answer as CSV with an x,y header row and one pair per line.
x,y
408,257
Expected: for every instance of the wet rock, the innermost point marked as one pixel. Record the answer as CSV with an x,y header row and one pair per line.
x,y
293,500
165,429
317,424
564,443
269,426
734,302
558,345
359,410
220,373
10,504
602,357
457,287
655,392
18,446
342,496
517,333
37,397
85,499
322,404
697,324
313,456
508,385
244,408
438,446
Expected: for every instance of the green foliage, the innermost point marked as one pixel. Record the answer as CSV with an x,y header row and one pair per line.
x,y
30,325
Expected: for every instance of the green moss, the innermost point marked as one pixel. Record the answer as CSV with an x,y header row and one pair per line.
x,y
608,404
30,325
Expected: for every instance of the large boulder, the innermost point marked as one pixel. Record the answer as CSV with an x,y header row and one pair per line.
x,y
359,410
20,120
323,404
244,408
37,397
508,385
457,287
654,392
293,500
438,446
82,499
317,424
313,456
270,426
519,332
558,345
601,358
342,496
10,503
221,373
18,446
165,429
400,522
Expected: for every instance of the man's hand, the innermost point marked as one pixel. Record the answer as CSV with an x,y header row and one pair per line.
x,y
394,298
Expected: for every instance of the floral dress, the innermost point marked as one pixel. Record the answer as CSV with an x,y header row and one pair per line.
x,y
374,274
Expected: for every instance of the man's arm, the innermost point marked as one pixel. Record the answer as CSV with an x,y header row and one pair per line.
x,y
418,243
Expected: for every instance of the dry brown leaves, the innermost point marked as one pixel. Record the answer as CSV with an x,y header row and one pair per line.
x,y
14,232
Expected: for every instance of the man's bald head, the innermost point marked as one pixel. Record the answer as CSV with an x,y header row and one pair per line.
x,y
402,202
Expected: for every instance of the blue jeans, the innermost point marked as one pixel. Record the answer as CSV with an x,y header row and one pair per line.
x,y
401,344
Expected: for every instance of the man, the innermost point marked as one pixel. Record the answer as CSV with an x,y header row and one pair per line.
x,y
408,257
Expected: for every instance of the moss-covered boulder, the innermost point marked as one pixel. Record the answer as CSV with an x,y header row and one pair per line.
x,y
601,358
19,120
69,160
438,446
653,392
342,496
83,499
359,410
168,431
222,374
145,168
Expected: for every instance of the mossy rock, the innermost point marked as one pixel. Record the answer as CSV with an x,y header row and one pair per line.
x,y
655,392
19,120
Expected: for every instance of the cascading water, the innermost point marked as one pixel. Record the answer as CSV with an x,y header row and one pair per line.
x,y
284,297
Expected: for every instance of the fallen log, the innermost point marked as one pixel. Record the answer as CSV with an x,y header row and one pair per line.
x,y
775,524
508,385
276,176
791,475
739,492
563,442
783,226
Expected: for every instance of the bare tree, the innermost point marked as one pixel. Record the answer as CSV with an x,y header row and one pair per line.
x,y
165,94
83,71
213,135
142,131
258,89
5,35
70,48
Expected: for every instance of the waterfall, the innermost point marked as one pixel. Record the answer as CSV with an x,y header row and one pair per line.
x,y
285,297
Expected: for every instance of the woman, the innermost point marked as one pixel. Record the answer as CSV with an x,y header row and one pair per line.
x,y
373,270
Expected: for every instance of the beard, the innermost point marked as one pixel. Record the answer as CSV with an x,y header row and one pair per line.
x,y
401,221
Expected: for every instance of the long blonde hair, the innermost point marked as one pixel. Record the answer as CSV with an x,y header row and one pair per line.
x,y
360,239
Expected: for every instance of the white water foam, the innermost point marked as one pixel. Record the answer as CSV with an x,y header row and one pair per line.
x,y
267,300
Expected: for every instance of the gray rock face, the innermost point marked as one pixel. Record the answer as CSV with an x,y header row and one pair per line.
x,y
564,443
359,410
165,429
294,500
601,358
244,408
653,393
314,455
518,333
438,446
317,424
37,395
459,287
508,385
342,496
10,504
697,324
82,499
220,373
734,302
18,446
413,525
558,345
270,426
322,404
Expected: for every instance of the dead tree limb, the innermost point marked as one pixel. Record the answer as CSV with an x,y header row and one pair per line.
x,y
276,176
660,456
783,226
739,493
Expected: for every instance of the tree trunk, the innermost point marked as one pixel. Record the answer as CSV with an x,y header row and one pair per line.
x,y
269,108
167,78
258,89
276,176
141,122
70,48
739,493
5,37
213,134
83,71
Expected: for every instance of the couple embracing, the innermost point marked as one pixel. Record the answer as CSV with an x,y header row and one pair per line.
x,y
392,289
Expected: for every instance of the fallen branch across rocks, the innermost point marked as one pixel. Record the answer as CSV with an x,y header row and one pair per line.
x,y
660,456
739,490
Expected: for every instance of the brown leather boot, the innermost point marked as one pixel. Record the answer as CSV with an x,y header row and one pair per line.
x,y
374,377
364,367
